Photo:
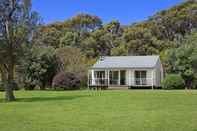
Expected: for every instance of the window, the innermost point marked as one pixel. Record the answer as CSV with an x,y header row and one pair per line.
x,y
140,78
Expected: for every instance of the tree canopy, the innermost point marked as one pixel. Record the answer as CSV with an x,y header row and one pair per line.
x,y
152,36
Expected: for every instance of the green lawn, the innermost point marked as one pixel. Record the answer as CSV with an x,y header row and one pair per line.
x,y
132,110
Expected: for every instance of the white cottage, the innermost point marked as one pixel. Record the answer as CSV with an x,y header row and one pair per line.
x,y
126,72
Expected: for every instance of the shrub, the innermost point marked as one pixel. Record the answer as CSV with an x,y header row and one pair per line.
x,y
66,81
29,86
173,81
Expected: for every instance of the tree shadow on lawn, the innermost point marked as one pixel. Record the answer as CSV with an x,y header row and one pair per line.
x,y
52,98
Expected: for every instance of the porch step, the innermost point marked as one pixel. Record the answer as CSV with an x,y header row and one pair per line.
x,y
118,88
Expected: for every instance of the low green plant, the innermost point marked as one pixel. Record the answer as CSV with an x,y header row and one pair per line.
x,y
173,81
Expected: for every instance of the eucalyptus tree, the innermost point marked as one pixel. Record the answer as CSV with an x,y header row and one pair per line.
x,y
17,22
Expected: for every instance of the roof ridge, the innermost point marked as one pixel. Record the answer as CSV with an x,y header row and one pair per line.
x,y
134,56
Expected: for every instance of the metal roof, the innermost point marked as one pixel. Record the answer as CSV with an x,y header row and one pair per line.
x,y
126,62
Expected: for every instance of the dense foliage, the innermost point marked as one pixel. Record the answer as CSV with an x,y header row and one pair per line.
x,y
153,36
40,66
173,81
183,60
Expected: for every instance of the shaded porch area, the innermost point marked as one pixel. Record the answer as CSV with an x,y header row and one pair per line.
x,y
119,78
107,78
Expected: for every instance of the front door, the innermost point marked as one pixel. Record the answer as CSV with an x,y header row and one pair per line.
x,y
114,77
122,77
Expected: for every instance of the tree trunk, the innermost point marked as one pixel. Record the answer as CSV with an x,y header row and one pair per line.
x,y
11,40
9,94
188,84
3,75
9,87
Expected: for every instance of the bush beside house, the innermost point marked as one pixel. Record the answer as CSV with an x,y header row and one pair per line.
x,y
173,81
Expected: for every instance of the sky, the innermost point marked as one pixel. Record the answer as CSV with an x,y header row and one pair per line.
x,y
126,11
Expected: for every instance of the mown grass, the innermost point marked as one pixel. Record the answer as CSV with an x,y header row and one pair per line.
x,y
130,110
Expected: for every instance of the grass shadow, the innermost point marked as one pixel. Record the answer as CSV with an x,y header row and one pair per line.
x,y
52,98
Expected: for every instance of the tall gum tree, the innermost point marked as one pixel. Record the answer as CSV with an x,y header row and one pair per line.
x,y
17,23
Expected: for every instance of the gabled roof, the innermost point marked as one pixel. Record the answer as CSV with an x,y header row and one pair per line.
x,y
117,62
